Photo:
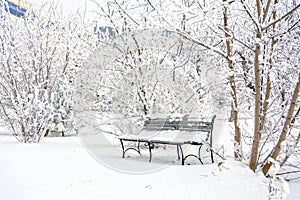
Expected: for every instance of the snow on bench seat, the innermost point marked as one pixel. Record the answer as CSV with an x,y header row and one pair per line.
x,y
173,130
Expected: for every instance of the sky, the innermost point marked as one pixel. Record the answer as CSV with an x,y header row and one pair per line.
x,y
68,5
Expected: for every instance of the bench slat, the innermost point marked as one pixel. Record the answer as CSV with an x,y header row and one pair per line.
x,y
174,131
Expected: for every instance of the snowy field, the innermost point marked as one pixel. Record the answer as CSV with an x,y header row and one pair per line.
x,y
60,168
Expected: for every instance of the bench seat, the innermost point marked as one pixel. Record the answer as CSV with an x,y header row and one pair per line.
x,y
170,130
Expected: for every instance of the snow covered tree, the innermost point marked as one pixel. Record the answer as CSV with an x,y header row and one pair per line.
x,y
142,71
256,44
40,55
147,72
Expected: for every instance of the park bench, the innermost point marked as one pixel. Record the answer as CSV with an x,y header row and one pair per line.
x,y
172,130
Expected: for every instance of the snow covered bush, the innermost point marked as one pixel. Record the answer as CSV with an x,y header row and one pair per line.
x,y
40,55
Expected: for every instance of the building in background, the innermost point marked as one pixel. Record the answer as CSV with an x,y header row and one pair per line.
x,y
19,8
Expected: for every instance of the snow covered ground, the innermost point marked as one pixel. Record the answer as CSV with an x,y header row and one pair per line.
x,y
295,192
61,168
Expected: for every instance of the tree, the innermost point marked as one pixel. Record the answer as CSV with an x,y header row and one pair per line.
x,y
40,53
255,42
146,72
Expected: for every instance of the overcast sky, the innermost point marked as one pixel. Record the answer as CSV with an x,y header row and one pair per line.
x,y
67,5
70,5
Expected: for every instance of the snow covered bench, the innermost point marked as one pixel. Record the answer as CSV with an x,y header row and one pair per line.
x,y
173,130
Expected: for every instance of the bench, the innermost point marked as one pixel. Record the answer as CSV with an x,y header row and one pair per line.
x,y
173,130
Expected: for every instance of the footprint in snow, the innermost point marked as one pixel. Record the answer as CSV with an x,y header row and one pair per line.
x,y
148,187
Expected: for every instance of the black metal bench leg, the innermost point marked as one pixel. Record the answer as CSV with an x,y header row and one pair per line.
x,y
211,155
178,156
123,149
150,145
199,156
126,149
138,147
181,152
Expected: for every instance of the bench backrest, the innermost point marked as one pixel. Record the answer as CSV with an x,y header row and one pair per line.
x,y
185,123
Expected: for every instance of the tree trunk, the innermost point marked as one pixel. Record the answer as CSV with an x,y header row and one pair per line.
x,y
257,120
234,104
271,63
285,129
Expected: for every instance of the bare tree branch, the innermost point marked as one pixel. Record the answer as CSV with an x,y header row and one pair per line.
x,y
281,18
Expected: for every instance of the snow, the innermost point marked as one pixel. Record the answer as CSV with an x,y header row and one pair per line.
x,y
169,136
61,168
295,192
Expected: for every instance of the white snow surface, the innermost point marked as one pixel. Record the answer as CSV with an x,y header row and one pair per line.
x,y
295,192
61,168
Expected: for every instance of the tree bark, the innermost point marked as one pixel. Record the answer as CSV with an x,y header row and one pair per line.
x,y
257,119
271,63
285,129
234,104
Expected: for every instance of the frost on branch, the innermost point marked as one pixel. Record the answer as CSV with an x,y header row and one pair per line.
x,y
40,55
142,73
257,46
